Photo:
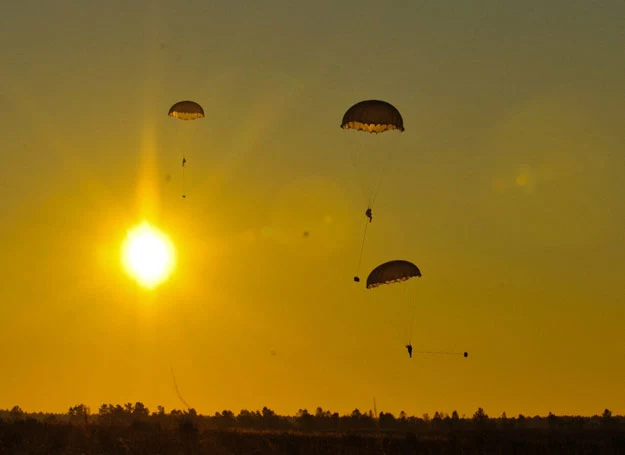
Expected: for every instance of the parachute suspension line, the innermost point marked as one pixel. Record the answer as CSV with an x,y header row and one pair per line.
x,y
375,193
411,325
382,169
369,192
362,249
184,193
413,311
371,197
177,391
464,354
360,176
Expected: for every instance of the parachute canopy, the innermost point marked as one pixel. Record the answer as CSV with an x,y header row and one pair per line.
x,y
392,272
373,116
186,110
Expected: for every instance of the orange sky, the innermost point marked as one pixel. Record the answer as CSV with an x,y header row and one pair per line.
x,y
506,190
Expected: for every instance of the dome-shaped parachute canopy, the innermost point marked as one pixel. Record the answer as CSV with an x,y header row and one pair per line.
x,y
373,116
392,272
186,110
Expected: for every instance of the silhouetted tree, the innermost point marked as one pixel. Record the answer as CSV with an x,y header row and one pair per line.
x,y
267,413
578,423
335,421
322,419
140,411
607,421
303,419
321,414
437,421
553,421
505,422
270,419
16,413
225,419
247,419
368,421
79,414
387,421
480,418
452,422
117,414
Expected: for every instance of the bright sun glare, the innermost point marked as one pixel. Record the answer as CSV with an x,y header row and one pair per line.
x,y
148,255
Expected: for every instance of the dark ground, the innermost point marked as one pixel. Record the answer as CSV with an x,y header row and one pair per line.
x,y
34,437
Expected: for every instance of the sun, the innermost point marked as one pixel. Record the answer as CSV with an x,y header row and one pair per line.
x,y
148,256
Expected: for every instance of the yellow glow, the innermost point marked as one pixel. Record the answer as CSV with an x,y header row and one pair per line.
x,y
148,255
521,179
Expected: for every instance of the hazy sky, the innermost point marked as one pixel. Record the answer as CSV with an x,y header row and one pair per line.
x,y
506,189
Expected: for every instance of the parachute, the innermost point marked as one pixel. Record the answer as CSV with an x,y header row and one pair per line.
x,y
373,116
186,110
392,272
398,271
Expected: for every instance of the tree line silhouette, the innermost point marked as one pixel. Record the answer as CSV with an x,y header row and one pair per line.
x,y
133,428
319,420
